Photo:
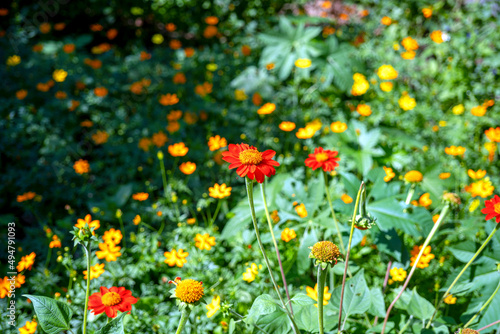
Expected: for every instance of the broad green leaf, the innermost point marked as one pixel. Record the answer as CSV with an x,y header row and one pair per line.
x,y
356,295
303,261
307,318
377,305
264,304
302,299
232,326
420,307
53,316
115,326
390,243
122,195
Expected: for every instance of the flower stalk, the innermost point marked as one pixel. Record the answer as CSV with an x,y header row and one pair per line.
x,y
353,221
269,222
249,187
483,307
322,273
85,311
184,318
461,272
442,216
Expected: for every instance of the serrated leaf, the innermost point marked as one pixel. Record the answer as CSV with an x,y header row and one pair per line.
x,y
53,316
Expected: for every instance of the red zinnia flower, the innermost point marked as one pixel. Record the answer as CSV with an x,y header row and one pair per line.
x,y
492,209
111,300
322,159
250,162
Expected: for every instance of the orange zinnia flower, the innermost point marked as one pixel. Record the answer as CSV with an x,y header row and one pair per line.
x,y
216,142
250,162
325,159
493,134
81,166
454,150
80,223
26,262
176,258
111,300
266,109
140,196
178,149
168,99
287,126
219,191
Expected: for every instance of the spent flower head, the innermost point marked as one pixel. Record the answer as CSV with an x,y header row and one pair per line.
x,y
325,252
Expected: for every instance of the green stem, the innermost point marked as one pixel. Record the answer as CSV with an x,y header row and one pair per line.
x,y
163,176
442,216
214,218
322,273
483,307
249,186
270,224
85,311
406,325
123,231
339,235
184,318
356,206
410,193
463,270
48,258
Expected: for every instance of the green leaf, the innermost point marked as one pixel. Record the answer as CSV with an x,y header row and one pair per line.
x,y
266,313
307,318
302,299
377,305
303,261
232,326
419,306
115,326
264,304
356,295
53,315
122,195
390,243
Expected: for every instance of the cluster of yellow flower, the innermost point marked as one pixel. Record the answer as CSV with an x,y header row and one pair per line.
x,y
251,272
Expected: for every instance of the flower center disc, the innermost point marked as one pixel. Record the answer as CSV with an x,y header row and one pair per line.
x,y
496,207
321,157
111,299
250,157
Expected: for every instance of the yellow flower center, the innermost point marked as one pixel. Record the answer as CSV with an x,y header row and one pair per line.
x,y
325,251
250,157
496,207
321,157
111,299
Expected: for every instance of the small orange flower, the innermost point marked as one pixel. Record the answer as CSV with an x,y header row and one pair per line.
x,y
346,198
26,262
21,94
476,175
168,99
179,78
427,12
387,72
178,149
80,223
444,176
386,20
26,196
216,142
482,188
413,176
338,127
364,109
176,258
188,167
493,134
408,55
409,44
288,234
189,52
159,139
210,31
100,137
256,99
144,144
137,220
389,174
455,150
219,191
426,257
55,243
386,86
437,36
425,200
95,271
81,166
145,56
301,210
287,126
140,196
109,252
112,236
478,111
203,89
45,28
246,50
100,91
211,20
29,327
173,127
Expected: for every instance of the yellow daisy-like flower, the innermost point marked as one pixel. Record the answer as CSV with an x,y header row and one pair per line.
x,y
389,174
266,109
187,167
204,241
444,176
216,142
387,72
288,234
386,86
458,109
251,273
413,176
346,198
476,175
189,290
303,63
59,75
176,258
219,191
406,102
301,210
398,274
109,252
482,188
338,127
29,327
287,126
313,293
13,60
213,307
95,271
450,300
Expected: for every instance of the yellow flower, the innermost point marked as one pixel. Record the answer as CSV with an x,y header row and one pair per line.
x,y
137,220
458,109
398,274
406,102
387,72
360,85
112,236
425,200
189,290
386,86
109,252
157,39
413,176
476,175
251,272
389,174
287,126
204,241
26,262
216,142
313,293
408,55
213,307
176,258
478,111
450,299
364,109
140,196
288,234
239,95
266,109
437,36
301,210
427,12
303,63
386,20
409,44
474,205
346,198
338,127
29,327
482,188
219,191
187,167
80,223
56,242
13,60
59,75
95,271
454,150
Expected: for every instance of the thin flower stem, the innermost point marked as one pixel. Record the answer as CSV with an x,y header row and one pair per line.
x,y
410,193
483,307
123,230
384,286
249,186
356,206
442,216
163,176
322,273
48,258
488,326
214,218
339,235
270,224
406,325
184,318
463,270
85,311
